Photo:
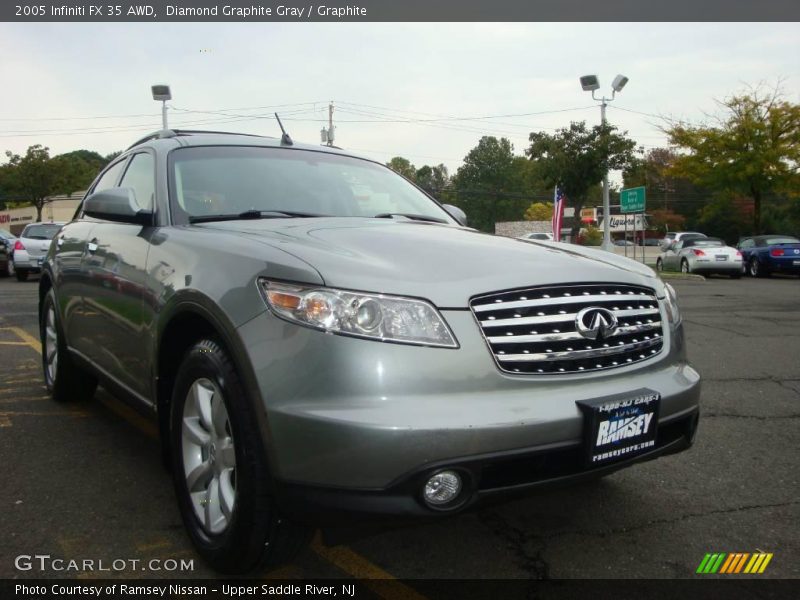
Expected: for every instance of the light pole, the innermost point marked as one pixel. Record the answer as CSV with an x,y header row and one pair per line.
x,y
590,83
161,93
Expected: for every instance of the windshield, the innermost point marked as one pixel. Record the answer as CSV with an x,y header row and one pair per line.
x,y
41,232
228,180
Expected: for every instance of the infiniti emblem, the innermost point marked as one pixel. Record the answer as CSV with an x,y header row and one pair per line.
x,y
595,323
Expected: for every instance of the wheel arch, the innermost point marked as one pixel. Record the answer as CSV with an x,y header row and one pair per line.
x,y
184,323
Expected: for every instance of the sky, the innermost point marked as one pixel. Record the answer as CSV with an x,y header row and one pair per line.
x,y
78,85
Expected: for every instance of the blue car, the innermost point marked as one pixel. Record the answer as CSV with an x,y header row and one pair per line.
x,y
763,255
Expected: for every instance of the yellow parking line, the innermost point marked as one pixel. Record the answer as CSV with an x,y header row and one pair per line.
x,y
27,338
24,399
29,413
13,343
5,421
360,568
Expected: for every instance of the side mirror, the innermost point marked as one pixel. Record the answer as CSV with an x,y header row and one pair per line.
x,y
117,204
455,212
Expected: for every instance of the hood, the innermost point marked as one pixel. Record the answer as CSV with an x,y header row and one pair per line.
x,y
445,264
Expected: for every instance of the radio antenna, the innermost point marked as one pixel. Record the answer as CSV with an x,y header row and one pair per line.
x,y
285,139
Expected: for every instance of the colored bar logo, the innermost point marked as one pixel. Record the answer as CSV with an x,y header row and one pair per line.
x,y
734,563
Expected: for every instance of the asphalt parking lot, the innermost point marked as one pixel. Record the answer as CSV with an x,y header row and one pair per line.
x,y
84,480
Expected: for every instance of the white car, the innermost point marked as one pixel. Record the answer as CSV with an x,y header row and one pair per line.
x,y
32,246
701,255
542,237
675,236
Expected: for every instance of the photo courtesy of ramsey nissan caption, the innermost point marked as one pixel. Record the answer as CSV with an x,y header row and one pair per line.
x,y
320,340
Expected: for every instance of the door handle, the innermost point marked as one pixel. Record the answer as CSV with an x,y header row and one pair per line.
x,y
92,246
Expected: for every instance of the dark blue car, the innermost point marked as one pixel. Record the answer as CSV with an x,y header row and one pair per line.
x,y
763,255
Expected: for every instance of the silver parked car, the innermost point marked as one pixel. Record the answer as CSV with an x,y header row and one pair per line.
x,y
701,255
32,246
320,340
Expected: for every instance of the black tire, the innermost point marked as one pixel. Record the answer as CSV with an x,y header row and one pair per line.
x,y
659,265
685,267
66,382
756,269
255,536
22,275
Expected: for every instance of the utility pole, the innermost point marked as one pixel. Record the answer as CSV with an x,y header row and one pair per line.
x,y
327,135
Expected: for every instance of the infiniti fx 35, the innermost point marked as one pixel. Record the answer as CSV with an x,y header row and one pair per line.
x,y
320,340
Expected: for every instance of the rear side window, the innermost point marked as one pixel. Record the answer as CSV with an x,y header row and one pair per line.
x,y
140,177
109,178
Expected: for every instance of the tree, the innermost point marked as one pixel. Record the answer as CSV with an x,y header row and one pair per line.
x,y
665,219
539,211
752,149
403,166
34,176
493,184
77,169
576,158
432,179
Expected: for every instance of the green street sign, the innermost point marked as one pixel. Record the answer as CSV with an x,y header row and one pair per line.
x,y
632,200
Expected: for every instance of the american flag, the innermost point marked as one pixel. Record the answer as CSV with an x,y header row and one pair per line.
x,y
558,212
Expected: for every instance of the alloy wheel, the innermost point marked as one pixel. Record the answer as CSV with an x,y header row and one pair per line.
x,y
51,344
753,267
209,458
685,267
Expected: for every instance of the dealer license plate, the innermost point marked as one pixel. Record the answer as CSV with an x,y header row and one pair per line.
x,y
620,426
722,258
796,262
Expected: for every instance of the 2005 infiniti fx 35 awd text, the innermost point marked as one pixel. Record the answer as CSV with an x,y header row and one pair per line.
x,y
319,339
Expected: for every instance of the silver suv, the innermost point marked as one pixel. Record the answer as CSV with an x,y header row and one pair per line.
x,y
319,339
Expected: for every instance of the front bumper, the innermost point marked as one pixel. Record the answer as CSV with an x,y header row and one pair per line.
x,y
488,478
356,423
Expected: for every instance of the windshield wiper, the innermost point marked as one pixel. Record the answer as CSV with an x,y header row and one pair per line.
x,y
411,216
253,214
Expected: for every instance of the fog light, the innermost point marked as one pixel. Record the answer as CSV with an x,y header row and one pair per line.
x,y
442,488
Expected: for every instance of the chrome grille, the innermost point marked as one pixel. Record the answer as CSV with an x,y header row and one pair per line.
x,y
533,331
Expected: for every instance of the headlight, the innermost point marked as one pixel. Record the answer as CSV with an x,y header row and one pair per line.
x,y
671,304
373,316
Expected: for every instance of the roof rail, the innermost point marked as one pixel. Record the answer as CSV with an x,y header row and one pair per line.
x,y
203,131
163,133
168,133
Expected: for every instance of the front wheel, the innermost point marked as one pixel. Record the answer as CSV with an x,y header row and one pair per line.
x,y
64,379
220,470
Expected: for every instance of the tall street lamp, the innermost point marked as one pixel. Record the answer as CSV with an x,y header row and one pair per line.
x,y
161,94
590,83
